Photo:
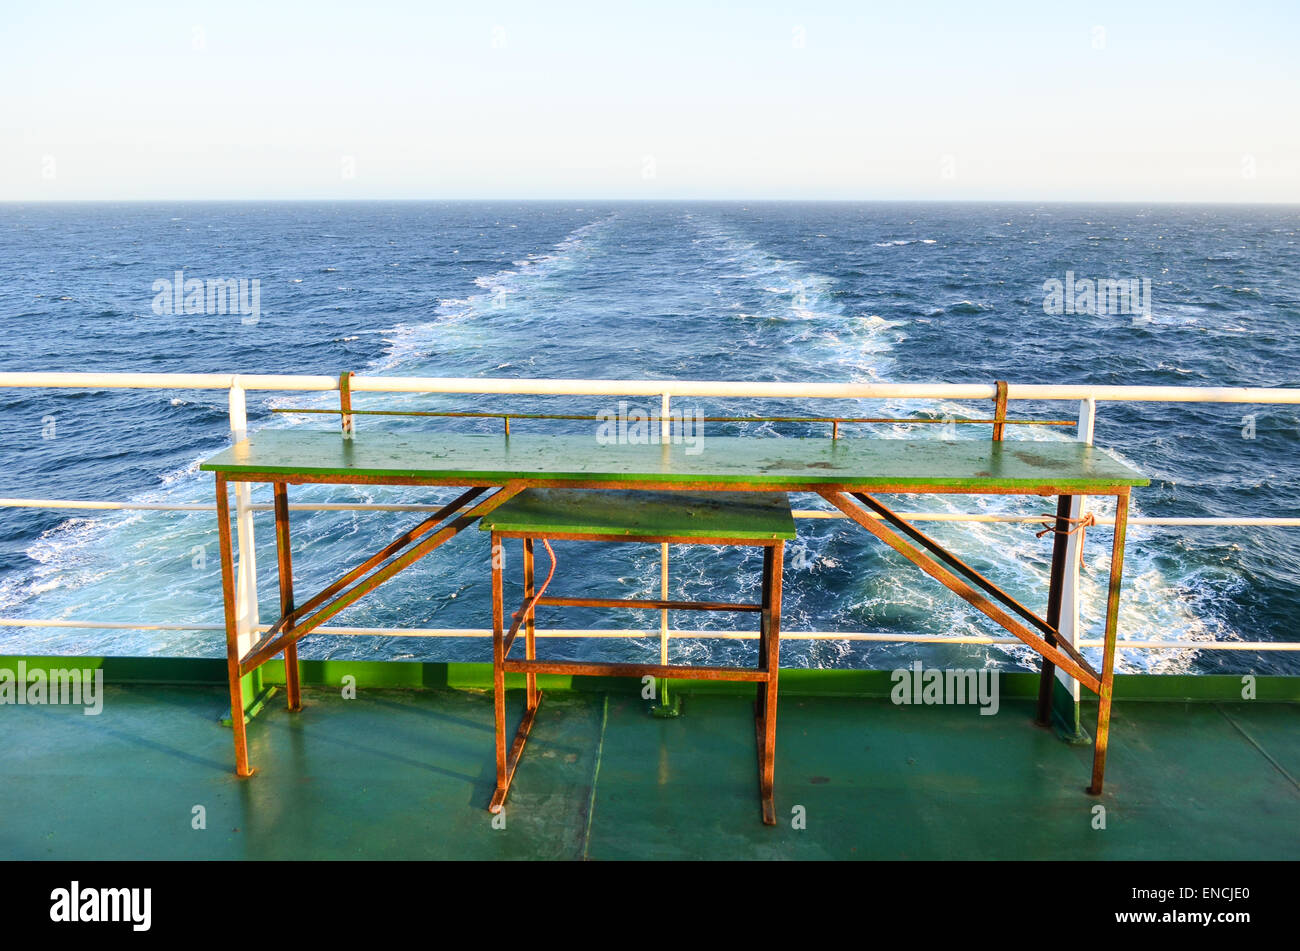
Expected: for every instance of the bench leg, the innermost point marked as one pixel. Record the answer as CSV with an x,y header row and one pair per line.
x,y
1108,657
769,661
530,626
285,570
507,763
515,754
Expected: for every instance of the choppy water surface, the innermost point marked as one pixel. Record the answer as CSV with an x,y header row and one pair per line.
x,y
857,292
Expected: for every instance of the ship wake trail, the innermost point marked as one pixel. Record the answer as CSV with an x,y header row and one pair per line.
x,y
145,566
418,348
804,309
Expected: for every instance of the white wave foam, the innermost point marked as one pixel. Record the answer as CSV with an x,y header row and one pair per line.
x,y
1155,605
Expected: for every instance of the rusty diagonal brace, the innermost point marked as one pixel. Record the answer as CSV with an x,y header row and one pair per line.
x,y
430,523
522,614
971,574
1081,672
291,635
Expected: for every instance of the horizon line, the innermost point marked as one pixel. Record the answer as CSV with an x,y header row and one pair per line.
x,y
662,200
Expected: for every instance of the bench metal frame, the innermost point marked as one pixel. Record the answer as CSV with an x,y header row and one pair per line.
x,y
765,675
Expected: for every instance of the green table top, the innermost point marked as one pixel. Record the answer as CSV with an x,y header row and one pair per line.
x,y
899,465
614,512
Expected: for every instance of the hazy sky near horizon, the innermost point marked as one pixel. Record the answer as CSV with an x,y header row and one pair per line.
x,y
1161,101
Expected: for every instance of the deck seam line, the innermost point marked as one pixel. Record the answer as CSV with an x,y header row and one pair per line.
x,y
1263,752
595,776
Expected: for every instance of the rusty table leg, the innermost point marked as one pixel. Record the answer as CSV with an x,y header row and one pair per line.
x,y
285,571
769,661
1108,657
498,674
232,635
1060,542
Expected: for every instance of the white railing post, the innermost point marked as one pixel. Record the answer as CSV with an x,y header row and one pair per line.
x,y
1070,601
246,617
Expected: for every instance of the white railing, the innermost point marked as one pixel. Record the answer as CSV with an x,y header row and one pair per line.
x,y
104,506
236,385
474,386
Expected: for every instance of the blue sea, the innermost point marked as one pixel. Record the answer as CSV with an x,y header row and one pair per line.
x,y
745,291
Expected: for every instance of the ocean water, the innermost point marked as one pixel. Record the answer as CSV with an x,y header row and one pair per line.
x,y
746,291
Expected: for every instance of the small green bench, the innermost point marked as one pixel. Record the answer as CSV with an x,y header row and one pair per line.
x,y
758,519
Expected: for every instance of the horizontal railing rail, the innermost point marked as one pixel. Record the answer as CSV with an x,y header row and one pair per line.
x,y
1101,520
237,384
723,388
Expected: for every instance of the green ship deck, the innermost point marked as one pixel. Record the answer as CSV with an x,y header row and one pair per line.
x,y
405,773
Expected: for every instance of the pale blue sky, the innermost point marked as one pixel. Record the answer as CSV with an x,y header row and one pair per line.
x,y
946,100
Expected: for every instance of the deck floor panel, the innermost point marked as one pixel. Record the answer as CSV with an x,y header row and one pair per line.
x,y
407,774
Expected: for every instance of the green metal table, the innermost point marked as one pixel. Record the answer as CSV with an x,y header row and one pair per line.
x,y
848,473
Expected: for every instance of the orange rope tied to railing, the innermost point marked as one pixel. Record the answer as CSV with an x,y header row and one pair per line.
x,y
1079,525
532,602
